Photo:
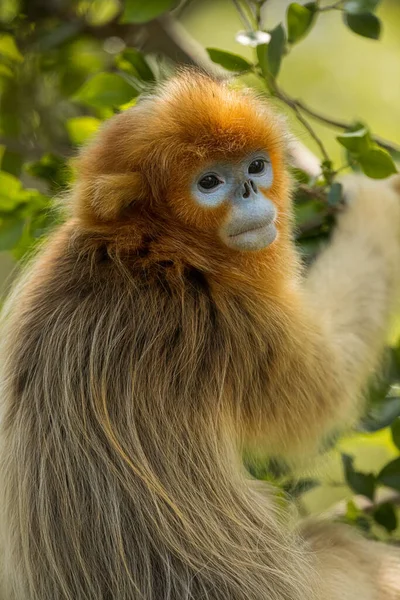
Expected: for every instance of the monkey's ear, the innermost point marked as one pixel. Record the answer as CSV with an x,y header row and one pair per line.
x,y
106,196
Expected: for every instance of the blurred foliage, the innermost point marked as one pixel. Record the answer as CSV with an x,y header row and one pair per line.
x,y
67,65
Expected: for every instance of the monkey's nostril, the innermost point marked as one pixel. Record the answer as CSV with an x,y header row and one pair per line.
x,y
254,186
247,189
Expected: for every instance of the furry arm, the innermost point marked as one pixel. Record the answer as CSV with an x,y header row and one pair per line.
x,y
338,323
354,282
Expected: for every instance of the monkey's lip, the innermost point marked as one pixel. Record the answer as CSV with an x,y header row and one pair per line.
x,y
252,229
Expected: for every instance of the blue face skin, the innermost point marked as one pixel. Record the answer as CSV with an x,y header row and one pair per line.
x,y
250,222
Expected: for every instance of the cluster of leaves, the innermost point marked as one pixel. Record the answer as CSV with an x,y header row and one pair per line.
x,y
89,69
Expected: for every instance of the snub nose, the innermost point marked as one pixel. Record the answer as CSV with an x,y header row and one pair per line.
x,y
248,187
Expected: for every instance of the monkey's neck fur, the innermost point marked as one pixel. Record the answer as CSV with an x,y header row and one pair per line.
x,y
165,363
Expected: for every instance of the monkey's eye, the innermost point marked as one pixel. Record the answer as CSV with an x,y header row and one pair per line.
x,y
209,182
257,167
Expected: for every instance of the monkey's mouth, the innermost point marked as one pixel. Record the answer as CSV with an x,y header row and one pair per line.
x,y
255,237
253,229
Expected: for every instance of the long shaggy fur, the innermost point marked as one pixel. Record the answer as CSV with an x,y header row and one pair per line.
x,y
140,356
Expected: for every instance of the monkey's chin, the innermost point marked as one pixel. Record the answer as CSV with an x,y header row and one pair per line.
x,y
254,239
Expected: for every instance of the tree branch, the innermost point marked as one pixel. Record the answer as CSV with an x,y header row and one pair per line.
x,y
337,123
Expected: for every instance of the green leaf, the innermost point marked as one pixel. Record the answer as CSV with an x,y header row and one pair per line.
x,y
377,163
296,488
356,141
9,185
11,161
335,194
262,56
365,24
139,63
8,48
360,483
390,474
300,19
229,60
382,415
105,90
6,72
299,175
141,11
276,49
81,129
352,511
360,6
355,516
395,429
101,12
10,234
385,515
12,194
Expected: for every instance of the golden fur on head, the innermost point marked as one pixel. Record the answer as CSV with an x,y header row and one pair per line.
x,y
190,120
139,355
134,179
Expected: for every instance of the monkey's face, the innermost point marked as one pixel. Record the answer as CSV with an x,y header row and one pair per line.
x,y
242,188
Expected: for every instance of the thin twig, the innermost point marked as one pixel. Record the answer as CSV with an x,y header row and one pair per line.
x,y
338,124
335,6
313,192
293,105
243,16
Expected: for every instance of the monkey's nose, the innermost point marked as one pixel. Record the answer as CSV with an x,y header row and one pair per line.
x,y
248,187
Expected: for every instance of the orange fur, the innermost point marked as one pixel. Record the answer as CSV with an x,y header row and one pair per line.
x,y
164,140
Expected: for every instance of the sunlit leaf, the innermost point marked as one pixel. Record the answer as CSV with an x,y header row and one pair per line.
x,y
141,11
81,129
105,90
6,71
366,24
9,185
9,48
101,12
356,141
377,163
229,60
300,19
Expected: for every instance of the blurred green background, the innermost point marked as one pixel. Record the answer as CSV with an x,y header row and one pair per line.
x,y
65,66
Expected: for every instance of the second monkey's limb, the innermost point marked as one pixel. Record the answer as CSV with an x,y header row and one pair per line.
x,y
337,323
350,567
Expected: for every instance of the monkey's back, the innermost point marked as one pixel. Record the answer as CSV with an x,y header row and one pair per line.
x,y
119,468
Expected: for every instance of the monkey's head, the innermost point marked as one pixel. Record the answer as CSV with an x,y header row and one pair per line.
x,y
197,156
